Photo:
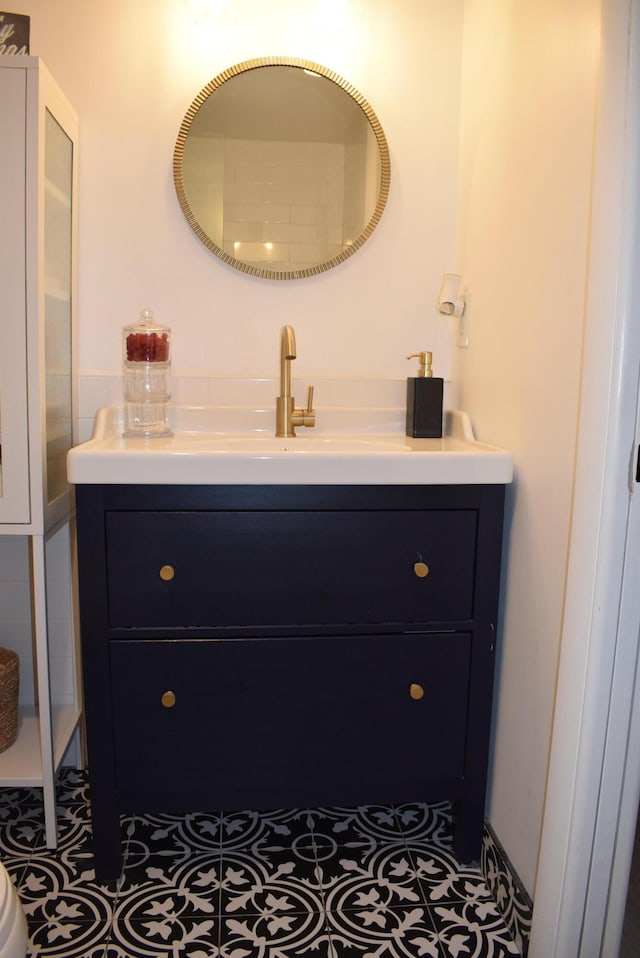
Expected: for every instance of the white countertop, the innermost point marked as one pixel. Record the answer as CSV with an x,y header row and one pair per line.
x,y
224,446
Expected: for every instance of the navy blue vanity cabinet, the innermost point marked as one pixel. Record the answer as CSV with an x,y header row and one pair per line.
x,y
271,646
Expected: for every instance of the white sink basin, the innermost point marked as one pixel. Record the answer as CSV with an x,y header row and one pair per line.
x,y
203,455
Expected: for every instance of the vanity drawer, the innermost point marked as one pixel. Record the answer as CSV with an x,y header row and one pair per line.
x,y
279,568
243,718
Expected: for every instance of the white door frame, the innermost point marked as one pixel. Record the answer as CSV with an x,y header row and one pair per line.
x,y
593,778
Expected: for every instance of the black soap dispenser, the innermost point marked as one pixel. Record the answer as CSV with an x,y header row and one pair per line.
x,y
424,401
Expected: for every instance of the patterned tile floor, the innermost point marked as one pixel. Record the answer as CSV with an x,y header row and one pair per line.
x,y
369,882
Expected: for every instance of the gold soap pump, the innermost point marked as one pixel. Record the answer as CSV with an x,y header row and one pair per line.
x,y
424,400
424,369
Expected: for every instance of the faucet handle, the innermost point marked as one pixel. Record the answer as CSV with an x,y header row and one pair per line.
x,y
309,399
304,417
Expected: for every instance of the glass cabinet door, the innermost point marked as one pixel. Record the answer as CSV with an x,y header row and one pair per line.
x,y
58,187
14,456
37,220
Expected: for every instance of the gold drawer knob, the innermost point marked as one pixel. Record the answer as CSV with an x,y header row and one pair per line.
x,y
416,691
167,573
421,569
168,699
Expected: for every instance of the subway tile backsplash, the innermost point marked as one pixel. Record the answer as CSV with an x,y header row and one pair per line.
x,y
386,396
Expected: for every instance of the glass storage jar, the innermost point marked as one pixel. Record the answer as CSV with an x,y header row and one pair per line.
x,y
146,348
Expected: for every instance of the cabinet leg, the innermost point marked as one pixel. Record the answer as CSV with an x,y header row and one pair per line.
x,y
43,686
107,847
468,830
50,823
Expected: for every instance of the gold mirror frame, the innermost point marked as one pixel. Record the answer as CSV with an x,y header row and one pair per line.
x,y
178,167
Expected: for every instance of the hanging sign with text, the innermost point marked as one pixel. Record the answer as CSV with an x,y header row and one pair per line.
x,y
14,33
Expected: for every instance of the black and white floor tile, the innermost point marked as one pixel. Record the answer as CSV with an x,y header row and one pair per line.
x,y
370,882
516,906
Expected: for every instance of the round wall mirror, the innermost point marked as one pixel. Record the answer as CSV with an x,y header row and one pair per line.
x,y
281,168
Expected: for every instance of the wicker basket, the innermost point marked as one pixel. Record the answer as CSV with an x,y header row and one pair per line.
x,y
9,682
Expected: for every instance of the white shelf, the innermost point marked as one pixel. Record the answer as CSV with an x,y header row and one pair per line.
x,y
21,764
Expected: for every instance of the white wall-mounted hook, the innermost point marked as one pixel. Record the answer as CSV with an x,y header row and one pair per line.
x,y
450,302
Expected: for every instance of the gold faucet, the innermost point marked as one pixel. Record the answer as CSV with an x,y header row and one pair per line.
x,y
287,416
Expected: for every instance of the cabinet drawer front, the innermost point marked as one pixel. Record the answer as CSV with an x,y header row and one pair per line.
x,y
174,569
266,714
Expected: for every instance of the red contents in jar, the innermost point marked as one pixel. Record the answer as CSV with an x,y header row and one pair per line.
x,y
147,348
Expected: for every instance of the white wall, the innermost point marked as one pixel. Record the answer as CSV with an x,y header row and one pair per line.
x,y
528,95
132,67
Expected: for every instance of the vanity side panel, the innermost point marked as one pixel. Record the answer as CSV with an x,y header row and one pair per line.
x,y
469,817
92,578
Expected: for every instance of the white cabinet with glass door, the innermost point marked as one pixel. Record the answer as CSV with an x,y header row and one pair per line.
x,y
38,159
